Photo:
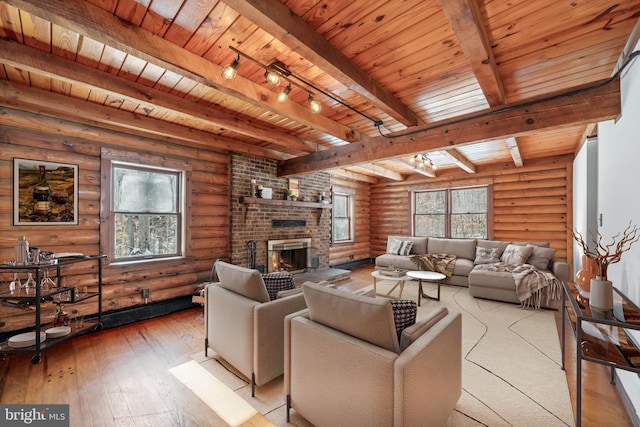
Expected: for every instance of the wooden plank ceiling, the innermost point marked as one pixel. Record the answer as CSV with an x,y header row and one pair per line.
x,y
448,78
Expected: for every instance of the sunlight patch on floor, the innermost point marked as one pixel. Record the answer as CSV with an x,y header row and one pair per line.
x,y
234,410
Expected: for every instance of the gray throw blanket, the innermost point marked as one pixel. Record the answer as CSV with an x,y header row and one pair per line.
x,y
530,282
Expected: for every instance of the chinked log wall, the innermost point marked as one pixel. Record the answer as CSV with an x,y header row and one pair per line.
x,y
344,253
532,203
210,222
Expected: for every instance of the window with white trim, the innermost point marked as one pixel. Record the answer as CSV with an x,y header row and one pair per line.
x,y
451,213
342,222
145,208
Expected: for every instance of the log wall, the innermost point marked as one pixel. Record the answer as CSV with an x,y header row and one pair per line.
x,y
343,253
532,203
82,145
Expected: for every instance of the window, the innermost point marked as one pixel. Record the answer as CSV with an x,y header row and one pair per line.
x,y
342,217
145,207
451,213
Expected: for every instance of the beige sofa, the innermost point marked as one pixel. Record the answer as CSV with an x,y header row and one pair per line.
x,y
344,363
469,253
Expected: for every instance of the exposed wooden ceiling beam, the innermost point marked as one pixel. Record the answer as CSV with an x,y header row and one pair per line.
x,y
581,105
512,145
343,173
56,67
278,20
100,25
460,160
380,171
466,20
24,98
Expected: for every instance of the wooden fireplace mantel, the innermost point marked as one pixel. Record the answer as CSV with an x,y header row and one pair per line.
x,y
246,200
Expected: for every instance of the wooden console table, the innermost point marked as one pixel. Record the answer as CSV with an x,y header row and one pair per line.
x,y
602,338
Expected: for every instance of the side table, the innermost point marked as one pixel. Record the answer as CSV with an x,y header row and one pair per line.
x,y
399,282
603,338
429,276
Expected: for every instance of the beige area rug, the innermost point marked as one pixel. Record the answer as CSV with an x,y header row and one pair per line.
x,y
511,372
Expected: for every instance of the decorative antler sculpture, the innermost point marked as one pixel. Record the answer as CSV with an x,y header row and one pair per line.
x,y
606,254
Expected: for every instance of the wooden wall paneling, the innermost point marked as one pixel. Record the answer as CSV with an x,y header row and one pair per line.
x,y
529,204
343,253
209,225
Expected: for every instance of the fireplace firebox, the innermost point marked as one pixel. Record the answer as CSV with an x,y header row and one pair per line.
x,y
292,255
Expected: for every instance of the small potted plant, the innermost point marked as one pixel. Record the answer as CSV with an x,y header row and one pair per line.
x,y
287,193
605,254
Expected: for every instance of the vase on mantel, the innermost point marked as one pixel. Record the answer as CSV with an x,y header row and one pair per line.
x,y
588,271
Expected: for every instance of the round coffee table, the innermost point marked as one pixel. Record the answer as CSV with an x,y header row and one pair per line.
x,y
429,276
398,279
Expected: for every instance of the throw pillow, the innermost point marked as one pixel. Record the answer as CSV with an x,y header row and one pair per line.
x,y
541,257
515,254
399,247
404,314
487,255
276,282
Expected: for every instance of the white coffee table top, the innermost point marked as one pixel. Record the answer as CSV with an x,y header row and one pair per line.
x,y
376,274
426,275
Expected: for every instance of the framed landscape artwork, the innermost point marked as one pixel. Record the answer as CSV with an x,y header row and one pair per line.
x,y
44,193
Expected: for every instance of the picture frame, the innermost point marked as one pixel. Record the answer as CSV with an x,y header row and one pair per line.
x,y
49,201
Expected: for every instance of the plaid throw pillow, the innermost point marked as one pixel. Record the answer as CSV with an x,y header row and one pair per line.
x,y
276,282
404,314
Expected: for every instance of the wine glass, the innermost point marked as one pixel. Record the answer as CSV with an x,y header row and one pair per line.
x,y
60,199
30,282
15,283
46,281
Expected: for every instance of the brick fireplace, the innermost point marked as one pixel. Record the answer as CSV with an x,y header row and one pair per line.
x,y
259,223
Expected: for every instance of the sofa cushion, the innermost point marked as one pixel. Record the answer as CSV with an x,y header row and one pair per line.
x,y
412,333
462,248
541,257
244,281
493,244
487,255
366,318
419,243
540,244
395,261
404,314
462,267
276,282
399,247
515,254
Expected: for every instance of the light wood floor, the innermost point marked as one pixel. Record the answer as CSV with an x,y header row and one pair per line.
x,y
120,376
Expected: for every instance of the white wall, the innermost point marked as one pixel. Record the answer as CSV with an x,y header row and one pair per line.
x,y
618,195
585,196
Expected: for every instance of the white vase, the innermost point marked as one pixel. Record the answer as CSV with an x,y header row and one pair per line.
x,y
601,294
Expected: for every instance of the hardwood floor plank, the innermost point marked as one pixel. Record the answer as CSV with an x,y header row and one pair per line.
x,y
120,376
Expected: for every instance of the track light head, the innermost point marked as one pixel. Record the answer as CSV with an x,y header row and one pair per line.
x,y
230,71
314,105
284,94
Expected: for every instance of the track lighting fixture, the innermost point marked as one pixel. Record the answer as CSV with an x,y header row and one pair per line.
x,y
276,71
422,161
272,77
284,94
314,105
230,71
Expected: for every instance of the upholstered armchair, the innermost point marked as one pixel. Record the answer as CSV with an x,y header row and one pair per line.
x,y
345,365
244,325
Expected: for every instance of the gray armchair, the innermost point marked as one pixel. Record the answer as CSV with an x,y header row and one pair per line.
x,y
244,326
344,363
